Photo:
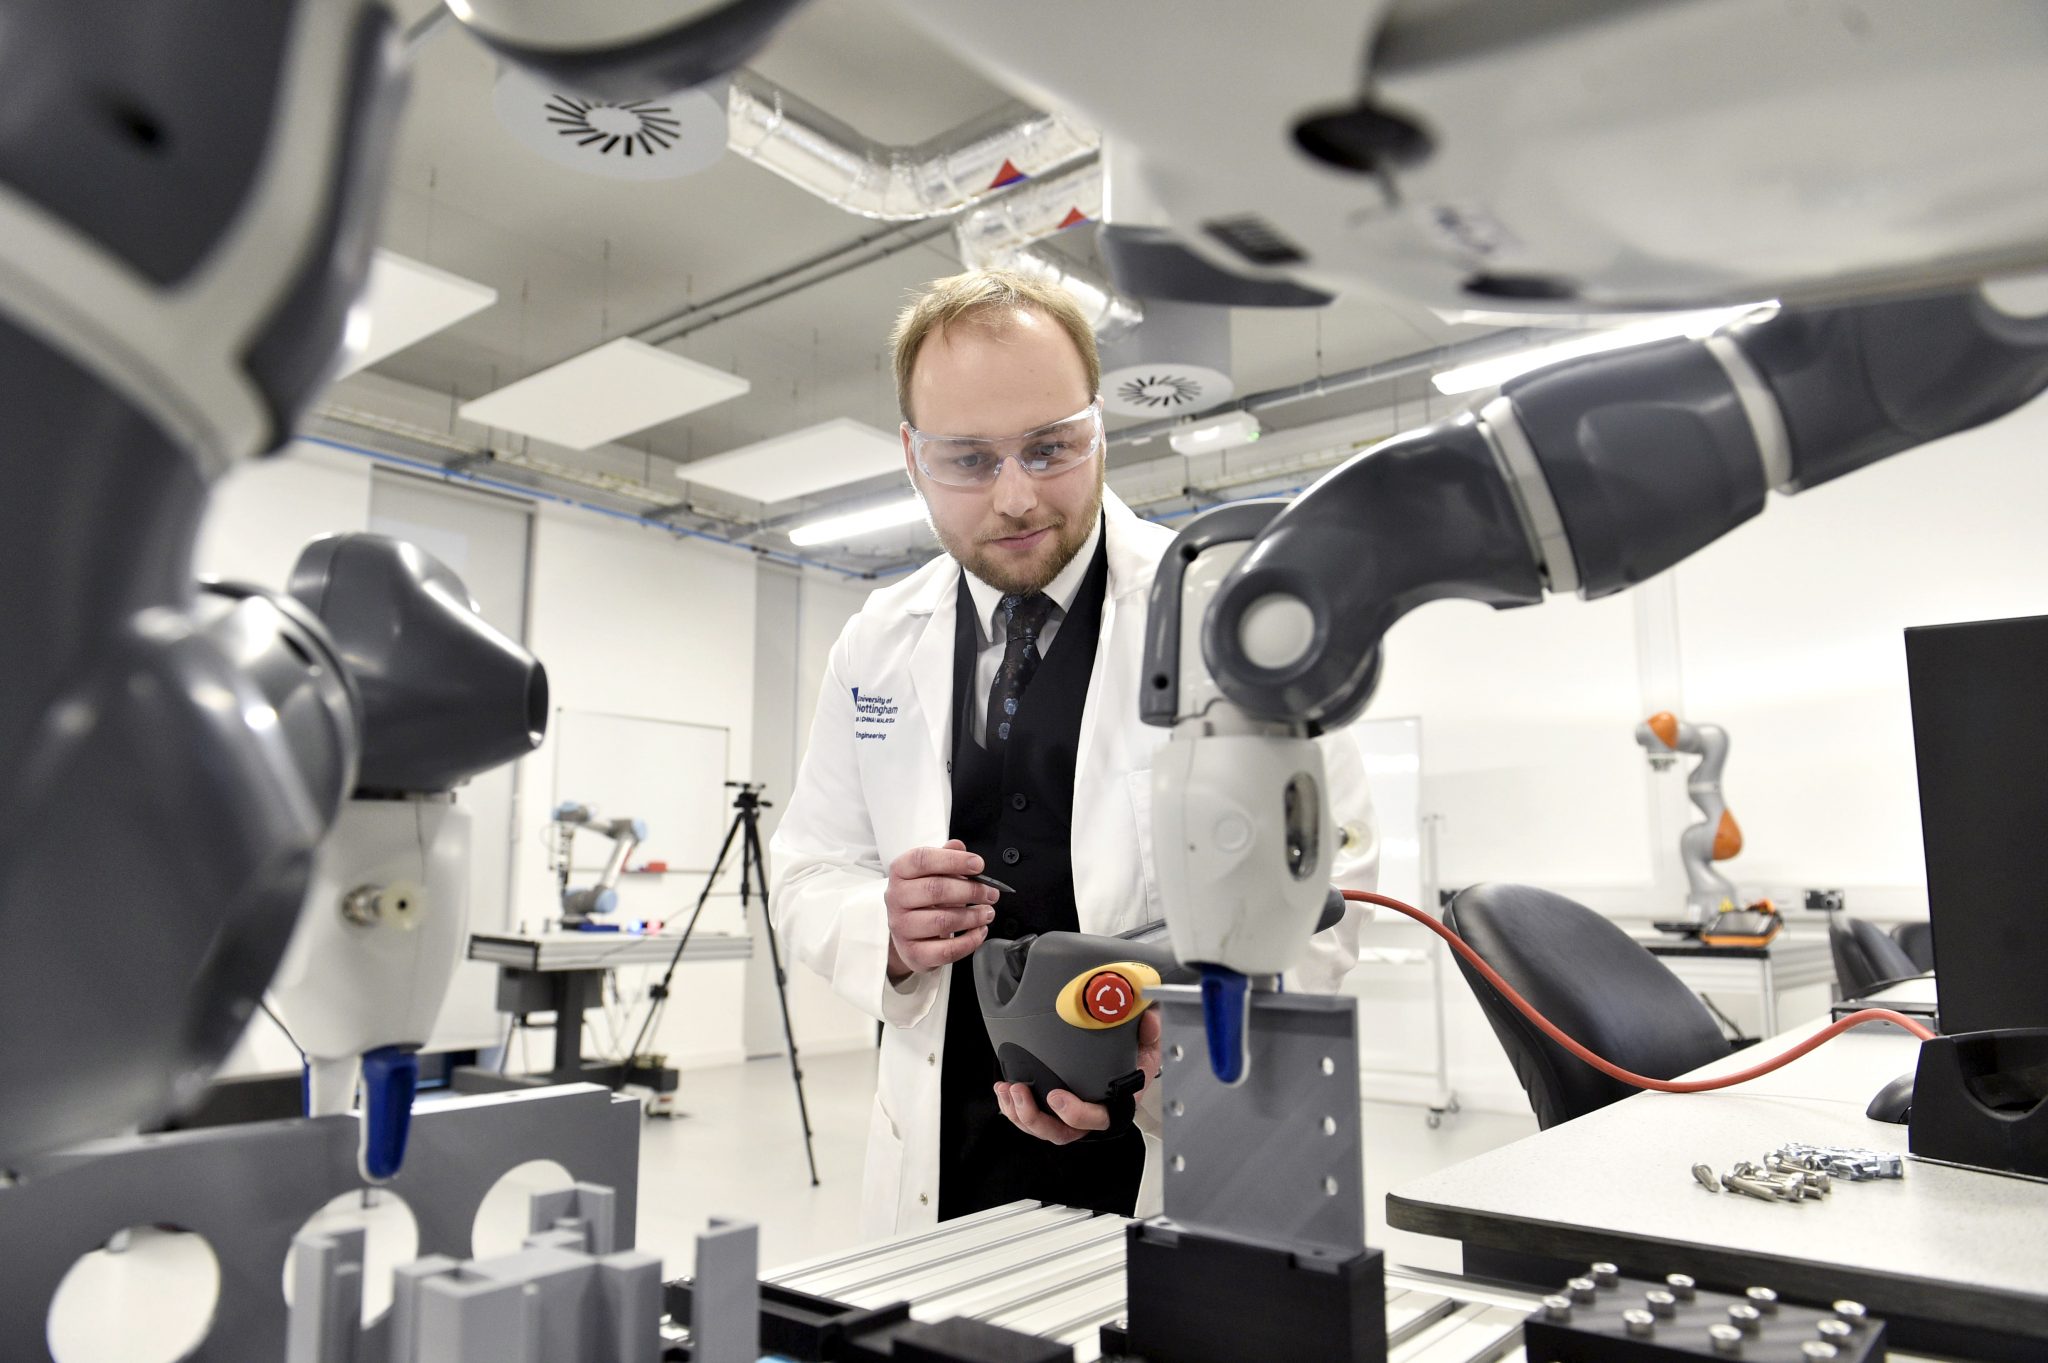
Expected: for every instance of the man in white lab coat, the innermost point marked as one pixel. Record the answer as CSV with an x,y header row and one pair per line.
x,y
982,715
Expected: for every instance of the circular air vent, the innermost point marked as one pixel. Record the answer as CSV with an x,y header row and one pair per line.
x,y
1174,361
1163,389
642,139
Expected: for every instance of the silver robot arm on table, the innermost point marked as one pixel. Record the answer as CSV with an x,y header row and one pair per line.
x,y
1589,476
580,905
1717,837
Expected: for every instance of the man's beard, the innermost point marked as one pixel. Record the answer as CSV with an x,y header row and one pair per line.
x,y
1014,578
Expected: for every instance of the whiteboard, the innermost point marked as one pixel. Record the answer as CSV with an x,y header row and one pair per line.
x,y
667,773
1392,752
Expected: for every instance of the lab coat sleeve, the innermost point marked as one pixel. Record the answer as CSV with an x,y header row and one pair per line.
x,y
829,874
1333,952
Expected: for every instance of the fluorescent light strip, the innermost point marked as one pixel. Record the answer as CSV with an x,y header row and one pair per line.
x,y
853,523
1226,432
1494,372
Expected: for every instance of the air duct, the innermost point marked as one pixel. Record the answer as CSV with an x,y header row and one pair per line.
x,y
1110,314
994,230
811,149
1177,363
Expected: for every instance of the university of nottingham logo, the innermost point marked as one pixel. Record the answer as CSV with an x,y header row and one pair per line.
x,y
872,715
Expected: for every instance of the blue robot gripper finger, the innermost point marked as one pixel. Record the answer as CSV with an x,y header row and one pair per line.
x,y
391,1076
1226,1010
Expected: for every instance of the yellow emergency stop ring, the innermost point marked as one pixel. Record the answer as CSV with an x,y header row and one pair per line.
x,y
1106,996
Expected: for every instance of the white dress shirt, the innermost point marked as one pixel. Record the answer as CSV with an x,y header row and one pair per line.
x,y
988,602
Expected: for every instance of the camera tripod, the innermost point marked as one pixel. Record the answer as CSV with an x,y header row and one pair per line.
x,y
746,826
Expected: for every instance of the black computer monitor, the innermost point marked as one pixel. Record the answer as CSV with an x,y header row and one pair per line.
x,y
1980,738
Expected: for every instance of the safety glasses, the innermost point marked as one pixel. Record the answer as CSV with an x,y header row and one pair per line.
x,y
976,461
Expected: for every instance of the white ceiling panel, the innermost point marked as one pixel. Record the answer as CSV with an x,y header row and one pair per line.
x,y
408,301
828,455
611,391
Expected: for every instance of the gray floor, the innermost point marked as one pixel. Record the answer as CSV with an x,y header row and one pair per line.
x,y
740,1153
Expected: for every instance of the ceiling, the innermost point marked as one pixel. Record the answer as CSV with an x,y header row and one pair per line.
x,y
579,259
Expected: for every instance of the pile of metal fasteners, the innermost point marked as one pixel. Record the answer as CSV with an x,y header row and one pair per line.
x,y
1801,1173
1839,1161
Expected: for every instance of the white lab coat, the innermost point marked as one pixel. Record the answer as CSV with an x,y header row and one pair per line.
x,y
873,784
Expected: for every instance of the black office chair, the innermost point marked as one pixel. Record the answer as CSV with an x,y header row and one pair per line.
x,y
1917,941
1865,957
1592,980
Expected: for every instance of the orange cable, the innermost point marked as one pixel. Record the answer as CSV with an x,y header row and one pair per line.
x,y
1609,1068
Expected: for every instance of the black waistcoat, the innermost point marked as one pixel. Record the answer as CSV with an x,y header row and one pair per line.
x,y
1015,809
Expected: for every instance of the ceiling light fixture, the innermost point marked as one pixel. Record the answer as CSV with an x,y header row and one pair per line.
x,y
1494,372
407,301
884,517
801,463
609,391
1224,432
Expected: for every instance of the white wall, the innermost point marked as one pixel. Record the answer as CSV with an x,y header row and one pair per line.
x,y
264,512
631,621
801,615
1790,635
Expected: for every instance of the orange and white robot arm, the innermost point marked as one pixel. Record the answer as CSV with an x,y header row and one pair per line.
x,y
1717,837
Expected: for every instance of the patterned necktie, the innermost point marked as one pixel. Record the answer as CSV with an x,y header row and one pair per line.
x,y
1023,617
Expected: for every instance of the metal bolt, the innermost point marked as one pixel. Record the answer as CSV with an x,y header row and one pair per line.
x,y
1640,1323
1817,1348
1726,1339
1707,1179
1745,1317
1661,1302
1852,1313
1763,1299
1557,1308
1785,1187
1606,1275
1833,1329
1682,1286
1749,1187
1582,1290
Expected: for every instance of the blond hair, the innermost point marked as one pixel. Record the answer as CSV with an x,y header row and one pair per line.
x,y
978,296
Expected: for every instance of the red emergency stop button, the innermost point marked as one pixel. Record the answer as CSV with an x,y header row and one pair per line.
x,y
1108,996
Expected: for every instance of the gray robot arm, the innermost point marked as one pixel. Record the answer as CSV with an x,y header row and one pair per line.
x,y
1589,476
